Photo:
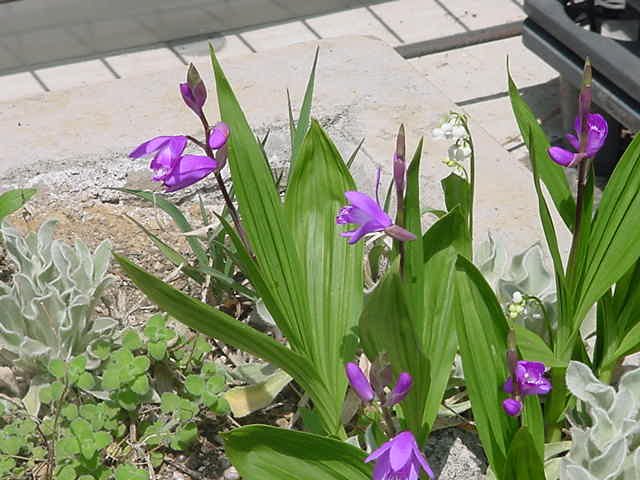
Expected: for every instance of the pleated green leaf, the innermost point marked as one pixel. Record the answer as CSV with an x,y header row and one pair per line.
x,y
13,200
524,461
304,120
332,268
263,216
216,324
552,174
482,335
614,243
260,452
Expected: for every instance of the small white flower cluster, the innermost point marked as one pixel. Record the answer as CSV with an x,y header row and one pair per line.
x,y
518,305
454,128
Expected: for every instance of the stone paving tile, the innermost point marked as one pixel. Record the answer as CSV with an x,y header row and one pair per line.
x,y
348,22
417,20
107,35
480,70
226,46
19,85
477,14
144,61
74,74
278,36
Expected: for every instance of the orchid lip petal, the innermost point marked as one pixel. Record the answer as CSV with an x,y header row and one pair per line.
x,y
401,450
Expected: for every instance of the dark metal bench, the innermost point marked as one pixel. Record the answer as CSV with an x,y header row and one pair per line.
x,y
552,32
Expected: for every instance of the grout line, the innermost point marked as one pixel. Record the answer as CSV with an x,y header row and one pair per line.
x,y
459,40
247,44
177,54
39,80
110,68
311,29
452,15
384,24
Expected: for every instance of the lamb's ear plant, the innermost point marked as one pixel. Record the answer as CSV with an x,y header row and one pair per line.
x,y
604,254
309,279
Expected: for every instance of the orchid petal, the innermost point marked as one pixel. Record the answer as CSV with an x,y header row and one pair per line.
x,y
561,156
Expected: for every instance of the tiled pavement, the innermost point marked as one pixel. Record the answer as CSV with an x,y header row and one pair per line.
x,y
473,76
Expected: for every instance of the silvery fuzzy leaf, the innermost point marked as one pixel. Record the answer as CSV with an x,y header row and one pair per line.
x,y
552,469
623,404
45,236
101,260
584,385
630,382
610,463
603,430
579,453
10,314
636,461
491,259
575,472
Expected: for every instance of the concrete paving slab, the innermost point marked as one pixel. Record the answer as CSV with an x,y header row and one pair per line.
x,y
359,20
91,129
417,20
90,72
480,70
19,85
278,36
477,14
143,62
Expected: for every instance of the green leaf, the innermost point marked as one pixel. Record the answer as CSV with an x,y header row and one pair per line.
x,y
482,335
457,193
131,340
13,200
194,385
184,437
268,453
129,472
176,215
246,400
305,114
157,350
524,462
57,368
551,173
263,217
533,348
214,323
332,267
141,385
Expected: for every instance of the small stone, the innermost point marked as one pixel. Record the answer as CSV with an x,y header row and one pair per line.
x,y
177,476
231,474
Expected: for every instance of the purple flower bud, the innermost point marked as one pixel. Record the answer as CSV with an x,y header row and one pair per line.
x,y
400,390
359,382
399,459
512,407
194,92
219,135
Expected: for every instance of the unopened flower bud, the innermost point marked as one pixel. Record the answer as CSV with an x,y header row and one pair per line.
x,y
359,382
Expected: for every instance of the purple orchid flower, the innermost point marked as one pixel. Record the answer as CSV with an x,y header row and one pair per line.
x,y
364,211
527,379
596,130
219,135
359,383
193,91
399,459
175,170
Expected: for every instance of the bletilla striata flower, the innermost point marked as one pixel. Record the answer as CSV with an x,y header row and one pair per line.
x,y
193,91
399,459
528,379
365,212
596,131
174,169
363,388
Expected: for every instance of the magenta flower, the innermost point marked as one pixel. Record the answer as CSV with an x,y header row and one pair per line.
x,y
194,92
527,379
364,211
359,382
400,390
399,459
596,130
175,170
219,135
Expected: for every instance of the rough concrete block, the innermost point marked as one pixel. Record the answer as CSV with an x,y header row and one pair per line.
x,y
88,72
348,22
278,36
143,61
18,85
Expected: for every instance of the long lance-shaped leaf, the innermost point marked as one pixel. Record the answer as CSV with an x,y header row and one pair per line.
x,y
482,335
260,452
332,267
214,323
304,119
614,244
263,216
13,200
551,174
524,461
176,215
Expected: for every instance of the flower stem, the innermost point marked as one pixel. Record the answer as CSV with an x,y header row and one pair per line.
x,y
472,181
